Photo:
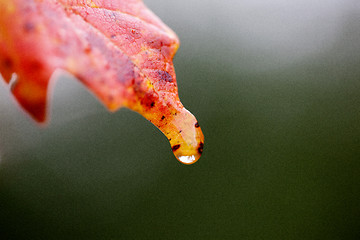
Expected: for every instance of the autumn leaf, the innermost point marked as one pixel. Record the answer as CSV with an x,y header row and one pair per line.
x,y
118,49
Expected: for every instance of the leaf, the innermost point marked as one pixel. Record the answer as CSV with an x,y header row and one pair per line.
x,y
118,49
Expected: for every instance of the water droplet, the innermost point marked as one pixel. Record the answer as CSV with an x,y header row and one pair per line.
x,y
187,159
187,139
179,126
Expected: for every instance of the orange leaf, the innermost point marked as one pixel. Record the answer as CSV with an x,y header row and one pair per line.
x,y
118,49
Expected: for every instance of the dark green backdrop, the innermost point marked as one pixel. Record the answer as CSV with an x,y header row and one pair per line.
x,y
276,89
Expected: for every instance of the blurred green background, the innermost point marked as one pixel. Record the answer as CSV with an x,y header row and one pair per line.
x,y
276,88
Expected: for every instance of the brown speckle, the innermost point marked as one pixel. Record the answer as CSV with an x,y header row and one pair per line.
x,y
136,34
29,27
165,76
197,125
35,66
87,49
163,117
175,147
152,104
200,148
7,63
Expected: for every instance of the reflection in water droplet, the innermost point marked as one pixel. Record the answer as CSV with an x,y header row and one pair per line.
x,y
187,159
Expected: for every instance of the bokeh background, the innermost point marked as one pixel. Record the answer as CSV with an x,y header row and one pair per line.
x,y
275,86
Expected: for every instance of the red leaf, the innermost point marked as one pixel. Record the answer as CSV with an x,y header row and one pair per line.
x,y
119,49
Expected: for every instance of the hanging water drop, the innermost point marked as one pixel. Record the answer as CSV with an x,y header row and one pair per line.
x,y
187,159
181,129
186,137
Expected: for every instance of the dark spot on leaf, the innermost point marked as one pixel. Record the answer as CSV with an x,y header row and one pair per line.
x,y
87,49
29,27
7,63
163,117
165,76
180,131
175,147
200,148
36,66
152,104
197,125
136,34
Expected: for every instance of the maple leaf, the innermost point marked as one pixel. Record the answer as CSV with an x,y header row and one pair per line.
x,y
118,49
